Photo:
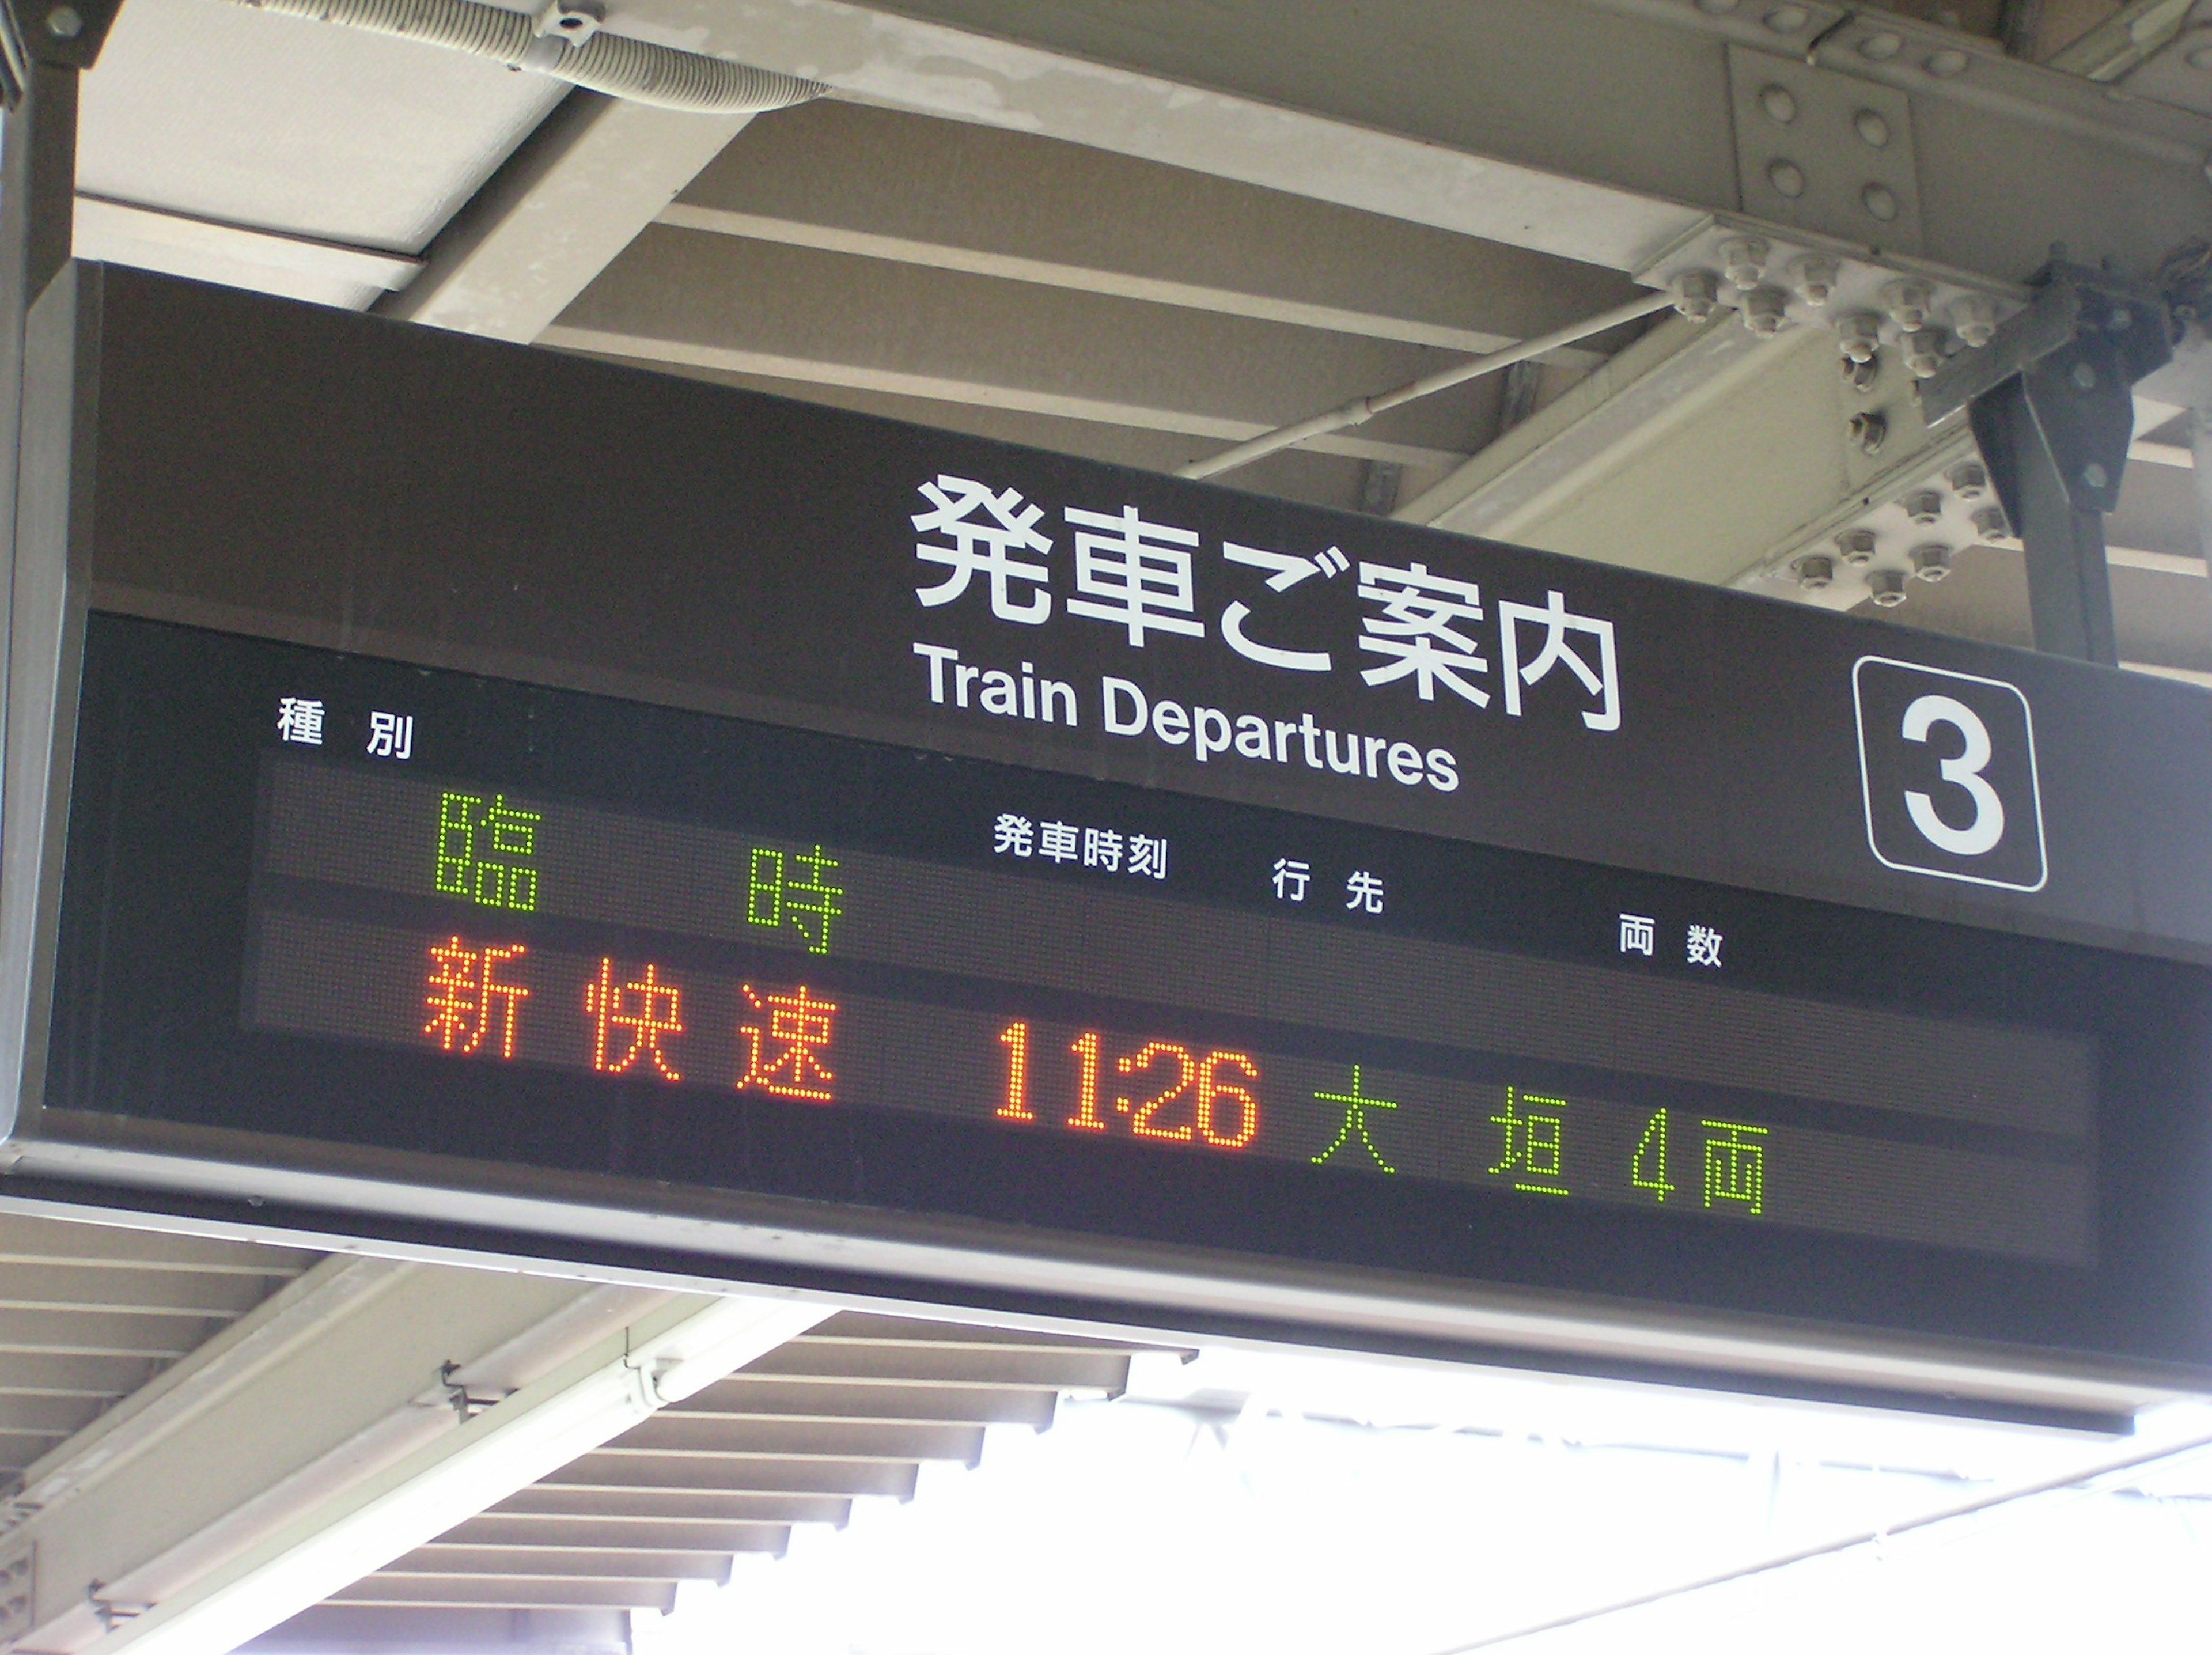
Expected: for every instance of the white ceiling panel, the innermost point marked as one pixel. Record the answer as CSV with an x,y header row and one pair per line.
x,y
213,111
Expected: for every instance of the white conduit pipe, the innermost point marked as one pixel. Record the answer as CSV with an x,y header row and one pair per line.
x,y
1360,410
614,65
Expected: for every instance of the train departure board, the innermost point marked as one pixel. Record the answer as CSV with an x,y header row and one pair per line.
x,y
328,898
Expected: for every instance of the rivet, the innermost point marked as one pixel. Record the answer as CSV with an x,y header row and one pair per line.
x,y
2084,376
1887,587
1872,128
2095,475
1946,65
1786,178
1880,201
1779,103
1880,48
2200,57
1787,19
64,22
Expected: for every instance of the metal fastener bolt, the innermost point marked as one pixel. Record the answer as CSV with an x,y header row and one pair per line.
x,y
2084,375
65,22
1974,319
1923,351
1779,103
1880,48
1787,176
1871,127
1766,311
1857,546
1923,506
1969,479
1696,292
1991,524
1859,336
1743,260
1881,203
1931,562
1885,586
2095,475
1816,278
1868,432
1814,570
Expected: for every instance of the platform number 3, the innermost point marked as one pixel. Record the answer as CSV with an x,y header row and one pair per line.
x,y
1947,761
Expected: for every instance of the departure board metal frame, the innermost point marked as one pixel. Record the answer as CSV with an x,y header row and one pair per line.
x,y
1429,1112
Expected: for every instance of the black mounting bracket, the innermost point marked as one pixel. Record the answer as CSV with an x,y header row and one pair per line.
x,y
2049,399
58,33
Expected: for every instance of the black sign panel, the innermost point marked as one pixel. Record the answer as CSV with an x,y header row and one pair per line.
x,y
338,480
324,900
544,780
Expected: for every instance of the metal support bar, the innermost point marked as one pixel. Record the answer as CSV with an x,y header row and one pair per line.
x,y
2069,592
38,193
2051,407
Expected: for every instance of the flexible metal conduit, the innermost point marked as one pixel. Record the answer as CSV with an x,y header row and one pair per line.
x,y
1360,410
616,64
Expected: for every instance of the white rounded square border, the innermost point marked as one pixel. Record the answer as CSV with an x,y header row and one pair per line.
x,y
1866,784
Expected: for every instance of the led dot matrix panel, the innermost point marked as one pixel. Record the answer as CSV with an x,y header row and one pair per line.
x,y
337,899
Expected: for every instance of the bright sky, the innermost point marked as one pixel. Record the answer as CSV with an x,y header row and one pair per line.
x,y
1306,1504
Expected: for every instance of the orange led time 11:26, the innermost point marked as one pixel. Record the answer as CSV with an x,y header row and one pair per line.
x,y
1219,1089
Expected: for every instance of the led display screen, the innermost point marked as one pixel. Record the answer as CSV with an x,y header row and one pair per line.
x,y
340,900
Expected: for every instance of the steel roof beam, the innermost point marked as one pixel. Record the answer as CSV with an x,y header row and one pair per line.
x,y
1597,130
950,195
717,302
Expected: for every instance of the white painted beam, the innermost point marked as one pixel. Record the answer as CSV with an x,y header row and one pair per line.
x,y
1598,130
845,178
655,1356
557,213
324,1380
323,1435
741,307
291,266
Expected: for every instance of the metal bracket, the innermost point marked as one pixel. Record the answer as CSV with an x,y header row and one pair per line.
x,y
2051,406
109,1613
464,1403
61,34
